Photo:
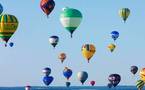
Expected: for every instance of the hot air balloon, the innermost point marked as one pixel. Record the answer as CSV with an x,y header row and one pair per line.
x,y
8,26
62,57
1,9
111,47
27,87
48,80
134,69
82,76
114,35
68,84
70,19
47,6
142,74
67,73
88,51
53,40
109,85
124,13
114,79
11,44
140,84
92,83
46,71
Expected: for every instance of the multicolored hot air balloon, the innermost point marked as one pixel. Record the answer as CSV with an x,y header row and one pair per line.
x,y
53,40
88,51
114,35
114,79
111,47
47,6
134,69
27,87
124,13
68,84
62,57
70,19
48,80
92,83
67,73
8,26
140,84
46,71
1,9
82,76
142,74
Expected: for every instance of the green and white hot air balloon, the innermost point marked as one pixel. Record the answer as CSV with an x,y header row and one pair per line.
x,y
70,19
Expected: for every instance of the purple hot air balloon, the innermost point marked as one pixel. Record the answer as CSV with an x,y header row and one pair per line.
x,y
114,79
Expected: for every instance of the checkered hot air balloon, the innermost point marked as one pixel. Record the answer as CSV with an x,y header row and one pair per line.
x,y
8,26
70,19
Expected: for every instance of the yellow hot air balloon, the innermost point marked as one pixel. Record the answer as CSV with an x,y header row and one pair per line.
x,y
124,13
88,51
111,47
142,74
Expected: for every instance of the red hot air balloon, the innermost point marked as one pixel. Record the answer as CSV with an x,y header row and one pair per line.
x,y
47,6
92,83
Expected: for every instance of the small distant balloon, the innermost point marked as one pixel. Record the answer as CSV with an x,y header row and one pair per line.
x,y
67,73
114,35
28,87
53,40
109,85
92,83
68,84
111,47
1,8
82,76
114,79
48,80
11,44
62,57
88,50
46,71
140,84
134,69
124,13
47,6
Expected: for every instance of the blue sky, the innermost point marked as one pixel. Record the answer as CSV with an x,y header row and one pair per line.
x,y
23,63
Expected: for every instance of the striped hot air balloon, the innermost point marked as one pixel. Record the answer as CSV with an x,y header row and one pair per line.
x,y
8,26
70,19
142,74
140,84
124,13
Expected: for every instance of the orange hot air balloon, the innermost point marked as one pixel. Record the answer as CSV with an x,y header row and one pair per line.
x,y
142,74
62,57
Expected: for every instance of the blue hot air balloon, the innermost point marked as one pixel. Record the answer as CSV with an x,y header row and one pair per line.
x,y
1,9
114,35
11,44
82,76
67,73
109,85
134,69
46,71
48,80
68,84
53,40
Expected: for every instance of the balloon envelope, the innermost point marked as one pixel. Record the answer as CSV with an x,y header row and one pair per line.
x,y
142,74
8,26
82,76
114,79
28,87
11,44
53,40
67,73
46,71
48,80
111,47
109,85
88,51
47,6
114,35
1,8
124,13
70,19
134,69
92,83
62,57
140,84
68,84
